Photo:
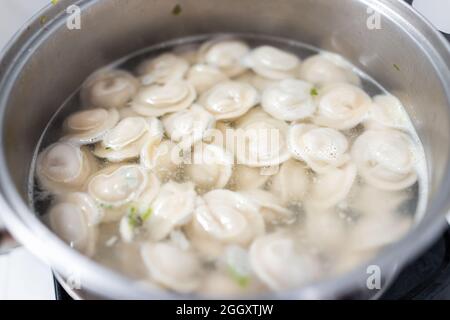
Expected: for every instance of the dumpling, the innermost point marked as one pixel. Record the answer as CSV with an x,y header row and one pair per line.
x,y
162,69
271,208
172,207
386,159
115,187
272,63
322,149
386,111
203,77
255,80
325,68
289,100
172,267
211,166
245,178
261,140
89,126
127,138
325,230
63,167
291,183
224,54
74,218
189,126
158,100
371,232
109,88
227,217
277,263
163,158
341,106
332,187
229,100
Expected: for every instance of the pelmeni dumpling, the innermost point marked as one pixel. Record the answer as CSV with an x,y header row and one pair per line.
x,y
386,111
272,63
189,126
322,149
211,166
291,183
277,263
289,100
127,112
245,178
261,140
227,217
204,77
162,69
386,159
126,139
172,207
109,89
89,126
255,80
332,187
229,100
74,218
225,54
326,68
271,208
325,229
371,233
172,267
158,100
116,186
342,106
63,167
162,158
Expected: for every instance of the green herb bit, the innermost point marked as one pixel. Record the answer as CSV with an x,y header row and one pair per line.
x,y
43,20
396,67
106,206
242,280
108,148
176,11
147,214
314,92
55,2
134,220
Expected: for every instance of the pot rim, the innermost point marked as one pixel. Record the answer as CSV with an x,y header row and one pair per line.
x,y
30,230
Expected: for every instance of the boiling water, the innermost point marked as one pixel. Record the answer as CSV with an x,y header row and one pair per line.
x,y
125,257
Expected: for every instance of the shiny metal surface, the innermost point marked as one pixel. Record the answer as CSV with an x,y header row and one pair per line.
x,y
46,62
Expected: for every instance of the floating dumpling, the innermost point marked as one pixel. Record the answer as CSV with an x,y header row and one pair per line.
x,y
289,100
109,89
272,63
74,218
204,77
189,126
326,68
341,106
162,69
229,100
211,166
158,100
63,167
386,111
126,139
89,126
224,54
386,159
321,148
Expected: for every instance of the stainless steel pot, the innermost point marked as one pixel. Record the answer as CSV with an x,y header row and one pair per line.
x,y
46,62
